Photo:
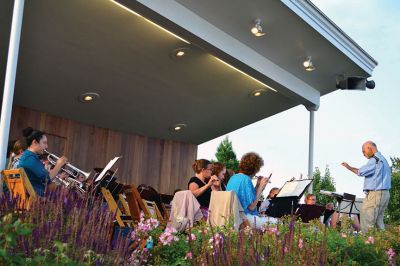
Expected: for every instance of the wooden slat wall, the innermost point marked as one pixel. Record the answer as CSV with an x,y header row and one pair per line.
x,y
162,164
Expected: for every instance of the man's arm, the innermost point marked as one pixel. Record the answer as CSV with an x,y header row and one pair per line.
x,y
353,169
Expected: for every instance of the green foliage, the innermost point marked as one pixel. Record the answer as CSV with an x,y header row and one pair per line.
x,y
324,182
226,155
11,228
392,214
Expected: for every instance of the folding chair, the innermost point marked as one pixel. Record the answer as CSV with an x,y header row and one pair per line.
x,y
123,220
135,202
152,208
20,187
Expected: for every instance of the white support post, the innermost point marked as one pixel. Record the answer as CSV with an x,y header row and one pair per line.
x,y
312,110
9,83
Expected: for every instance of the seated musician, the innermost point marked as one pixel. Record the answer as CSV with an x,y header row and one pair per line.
x,y
38,176
201,183
248,195
271,195
333,219
16,153
219,170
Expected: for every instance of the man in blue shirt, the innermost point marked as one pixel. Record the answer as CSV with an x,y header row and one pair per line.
x,y
377,183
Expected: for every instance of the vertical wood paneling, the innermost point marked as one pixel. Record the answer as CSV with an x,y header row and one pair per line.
x,y
162,164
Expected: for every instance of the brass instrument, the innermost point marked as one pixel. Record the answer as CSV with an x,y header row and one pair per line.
x,y
72,171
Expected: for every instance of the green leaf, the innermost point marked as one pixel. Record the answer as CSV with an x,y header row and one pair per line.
x,y
25,230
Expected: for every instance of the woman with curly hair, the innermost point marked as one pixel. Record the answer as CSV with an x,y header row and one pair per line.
x,y
248,195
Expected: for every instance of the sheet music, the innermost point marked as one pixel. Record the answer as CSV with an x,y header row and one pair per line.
x,y
108,167
294,188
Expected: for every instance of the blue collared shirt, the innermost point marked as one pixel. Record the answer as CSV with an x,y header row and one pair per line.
x,y
376,173
244,189
34,168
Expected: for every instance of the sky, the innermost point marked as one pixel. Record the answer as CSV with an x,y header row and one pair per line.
x,y
345,119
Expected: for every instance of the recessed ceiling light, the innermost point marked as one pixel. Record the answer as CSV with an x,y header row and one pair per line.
x,y
308,64
88,97
177,127
180,53
257,29
258,93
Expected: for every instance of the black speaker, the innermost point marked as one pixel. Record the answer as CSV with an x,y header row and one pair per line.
x,y
355,83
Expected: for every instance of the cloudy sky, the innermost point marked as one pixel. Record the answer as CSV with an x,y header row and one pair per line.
x,y
345,119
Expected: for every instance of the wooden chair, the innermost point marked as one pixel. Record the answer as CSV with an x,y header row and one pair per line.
x,y
150,194
122,218
152,208
20,187
135,202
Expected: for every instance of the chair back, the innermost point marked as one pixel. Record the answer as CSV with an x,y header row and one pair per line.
x,y
20,187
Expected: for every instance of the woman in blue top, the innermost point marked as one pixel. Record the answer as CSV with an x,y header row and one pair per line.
x,y
38,176
248,195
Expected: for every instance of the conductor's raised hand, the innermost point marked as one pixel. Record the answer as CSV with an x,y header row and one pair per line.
x,y
345,165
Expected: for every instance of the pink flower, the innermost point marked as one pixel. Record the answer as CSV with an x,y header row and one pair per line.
x,y
300,244
370,240
273,230
344,235
285,250
391,254
192,237
167,237
189,256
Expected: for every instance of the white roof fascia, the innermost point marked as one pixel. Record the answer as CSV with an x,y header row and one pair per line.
x,y
330,31
185,18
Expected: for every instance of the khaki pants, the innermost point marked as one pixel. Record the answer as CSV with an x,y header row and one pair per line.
x,y
373,208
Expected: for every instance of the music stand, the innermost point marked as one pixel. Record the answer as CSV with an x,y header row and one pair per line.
x,y
309,212
286,202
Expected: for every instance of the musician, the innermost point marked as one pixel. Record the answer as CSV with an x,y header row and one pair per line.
x,y
16,152
38,176
271,195
198,184
377,182
248,195
219,170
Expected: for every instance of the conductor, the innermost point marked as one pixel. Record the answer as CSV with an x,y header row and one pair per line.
x,y
377,177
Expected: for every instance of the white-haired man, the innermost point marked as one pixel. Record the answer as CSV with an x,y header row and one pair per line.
x,y
377,183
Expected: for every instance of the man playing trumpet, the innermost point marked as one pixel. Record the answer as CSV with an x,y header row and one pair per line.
x,y
38,176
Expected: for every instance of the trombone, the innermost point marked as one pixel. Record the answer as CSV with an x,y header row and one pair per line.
x,y
72,171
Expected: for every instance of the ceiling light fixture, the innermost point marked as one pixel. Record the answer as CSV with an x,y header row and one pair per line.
x,y
257,93
180,53
257,29
265,85
177,127
148,20
88,97
308,64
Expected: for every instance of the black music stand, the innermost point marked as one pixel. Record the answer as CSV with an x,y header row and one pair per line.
x,y
309,212
287,200
350,205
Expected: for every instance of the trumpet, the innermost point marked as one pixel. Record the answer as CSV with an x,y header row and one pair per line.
x,y
73,173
